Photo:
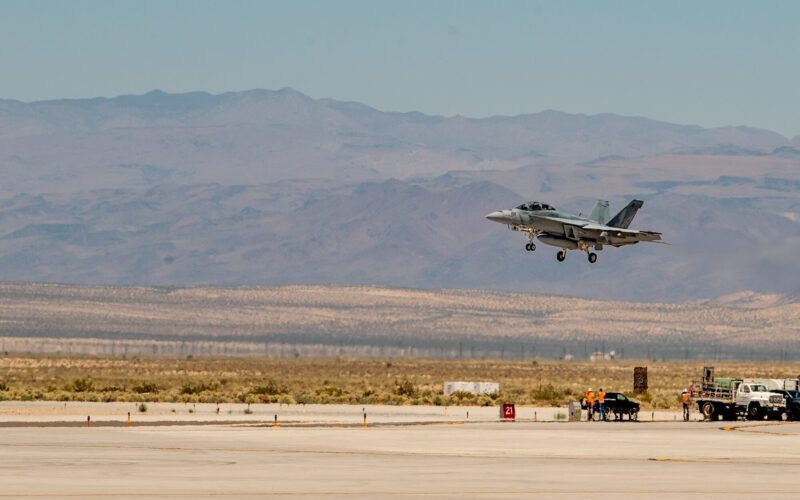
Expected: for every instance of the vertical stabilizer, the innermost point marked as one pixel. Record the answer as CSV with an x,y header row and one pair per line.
x,y
624,218
600,212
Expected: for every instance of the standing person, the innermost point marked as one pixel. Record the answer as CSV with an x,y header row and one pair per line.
x,y
590,403
685,397
601,402
585,400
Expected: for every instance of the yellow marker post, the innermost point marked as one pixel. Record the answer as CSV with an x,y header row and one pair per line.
x,y
88,421
275,424
129,419
365,420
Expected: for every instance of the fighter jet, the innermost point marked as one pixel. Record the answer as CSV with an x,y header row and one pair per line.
x,y
574,232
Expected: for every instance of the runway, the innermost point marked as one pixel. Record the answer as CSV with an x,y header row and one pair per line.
x,y
405,459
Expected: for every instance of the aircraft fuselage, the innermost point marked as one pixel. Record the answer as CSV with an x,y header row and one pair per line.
x,y
574,232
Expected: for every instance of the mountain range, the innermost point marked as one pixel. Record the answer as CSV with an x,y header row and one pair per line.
x,y
274,187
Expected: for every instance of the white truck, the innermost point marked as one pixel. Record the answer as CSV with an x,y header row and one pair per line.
x,y
729,399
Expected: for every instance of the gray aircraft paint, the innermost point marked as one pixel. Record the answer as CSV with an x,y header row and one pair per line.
x,y
600,212
573,232
625,216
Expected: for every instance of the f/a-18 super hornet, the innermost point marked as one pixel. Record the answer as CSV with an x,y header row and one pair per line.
x,y
573,232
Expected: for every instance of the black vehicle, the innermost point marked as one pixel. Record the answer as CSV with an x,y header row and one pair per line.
x,y
617,406
792,403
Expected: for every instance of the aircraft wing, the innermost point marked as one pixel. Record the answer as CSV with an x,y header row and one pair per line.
x,y
577,229
616,235
571,222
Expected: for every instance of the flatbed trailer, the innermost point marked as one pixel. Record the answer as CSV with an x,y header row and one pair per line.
x,y
717,403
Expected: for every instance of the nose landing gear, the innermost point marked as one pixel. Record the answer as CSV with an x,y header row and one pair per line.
x,y
592,257
531,246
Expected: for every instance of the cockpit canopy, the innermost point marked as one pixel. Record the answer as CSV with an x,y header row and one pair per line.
x,y
535,205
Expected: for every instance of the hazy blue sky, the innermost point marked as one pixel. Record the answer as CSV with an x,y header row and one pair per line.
x,y
709,63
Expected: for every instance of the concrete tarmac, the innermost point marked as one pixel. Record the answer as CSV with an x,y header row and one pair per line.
x,y
407,458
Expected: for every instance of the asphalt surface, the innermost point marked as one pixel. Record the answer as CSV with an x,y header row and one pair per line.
x,y
404,455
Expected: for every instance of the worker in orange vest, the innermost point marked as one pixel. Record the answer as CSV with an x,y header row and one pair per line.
x,y
601,403
686,398
590,403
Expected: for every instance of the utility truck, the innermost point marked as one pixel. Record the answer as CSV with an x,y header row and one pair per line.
x,y
728,398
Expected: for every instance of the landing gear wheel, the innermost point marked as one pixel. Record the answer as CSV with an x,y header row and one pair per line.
x,y
561,255
530,247
592,257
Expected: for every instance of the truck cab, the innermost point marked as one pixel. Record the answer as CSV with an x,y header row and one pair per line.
x,y
758,401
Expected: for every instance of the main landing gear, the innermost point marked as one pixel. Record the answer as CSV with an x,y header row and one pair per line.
x,y
562,254
531,247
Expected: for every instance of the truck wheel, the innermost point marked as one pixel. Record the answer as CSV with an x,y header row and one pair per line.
x,y
754,412
708,411
633,414
607,416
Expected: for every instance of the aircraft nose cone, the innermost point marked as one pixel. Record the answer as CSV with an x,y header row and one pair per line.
x,y
498,216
